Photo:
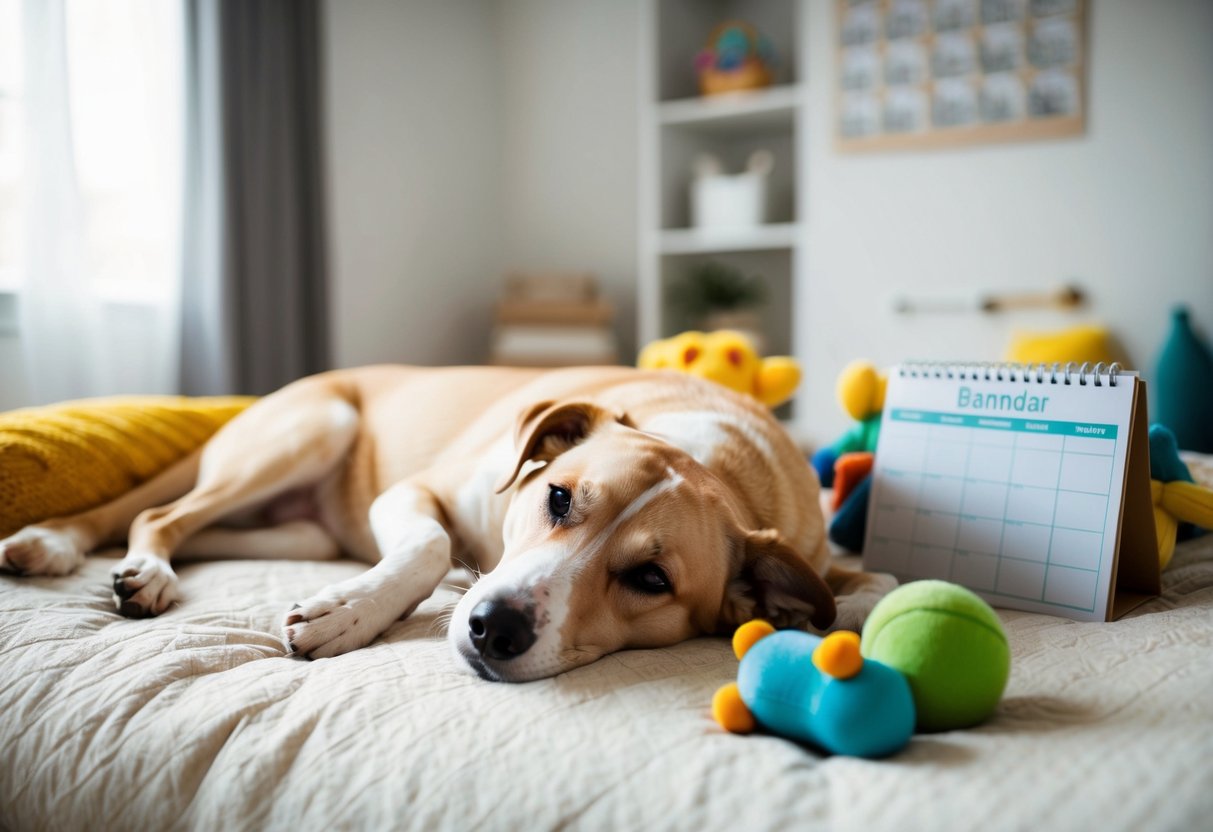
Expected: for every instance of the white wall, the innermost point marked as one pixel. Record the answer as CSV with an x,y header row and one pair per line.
x,y
473,137
568,85
1126,211
468,139
413,178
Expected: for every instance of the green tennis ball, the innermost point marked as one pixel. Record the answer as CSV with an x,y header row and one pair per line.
x,y
949,644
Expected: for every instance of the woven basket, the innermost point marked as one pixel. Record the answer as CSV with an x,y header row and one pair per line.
x,y
752,74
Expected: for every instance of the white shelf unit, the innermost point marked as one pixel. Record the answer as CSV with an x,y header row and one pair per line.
x,y
737,112
773,235
677,123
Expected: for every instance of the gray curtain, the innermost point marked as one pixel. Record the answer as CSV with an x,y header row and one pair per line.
x,y
254,286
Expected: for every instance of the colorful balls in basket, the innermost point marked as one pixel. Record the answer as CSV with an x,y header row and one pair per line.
x,y
736,57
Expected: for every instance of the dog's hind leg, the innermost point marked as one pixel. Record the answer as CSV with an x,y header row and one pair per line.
x,y
293,540
289,440
57,546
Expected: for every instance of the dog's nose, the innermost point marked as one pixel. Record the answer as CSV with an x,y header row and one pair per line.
x,y
499,631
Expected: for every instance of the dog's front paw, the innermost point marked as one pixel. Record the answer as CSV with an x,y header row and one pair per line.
x,y
332,623
858,597
40,550
144,585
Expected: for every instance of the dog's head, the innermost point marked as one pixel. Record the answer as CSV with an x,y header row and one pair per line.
x,y
614,538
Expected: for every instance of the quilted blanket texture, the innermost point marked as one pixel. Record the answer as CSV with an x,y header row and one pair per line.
x,y
197,719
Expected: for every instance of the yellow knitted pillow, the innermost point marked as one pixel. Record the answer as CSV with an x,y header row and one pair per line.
x,y
69,457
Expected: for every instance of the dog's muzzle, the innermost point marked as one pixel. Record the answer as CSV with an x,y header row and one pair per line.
x,y
500,631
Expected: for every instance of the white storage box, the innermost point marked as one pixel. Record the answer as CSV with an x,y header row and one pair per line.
x,y
721,200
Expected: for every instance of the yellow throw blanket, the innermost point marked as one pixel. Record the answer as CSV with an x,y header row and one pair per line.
x,y
69,457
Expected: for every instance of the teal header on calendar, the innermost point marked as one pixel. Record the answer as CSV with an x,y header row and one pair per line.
x,y
965,420
968,399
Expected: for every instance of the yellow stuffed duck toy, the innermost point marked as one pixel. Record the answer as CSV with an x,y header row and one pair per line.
x,y
726,357
1180,504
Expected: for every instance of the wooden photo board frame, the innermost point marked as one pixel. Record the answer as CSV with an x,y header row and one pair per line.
x,y
939,73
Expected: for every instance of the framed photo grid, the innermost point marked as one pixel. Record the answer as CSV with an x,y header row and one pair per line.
x,y
936,73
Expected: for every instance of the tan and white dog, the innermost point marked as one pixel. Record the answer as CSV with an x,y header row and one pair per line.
x,y
606,507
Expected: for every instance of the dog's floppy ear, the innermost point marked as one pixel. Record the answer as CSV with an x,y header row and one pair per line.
x,y
770,581
548,429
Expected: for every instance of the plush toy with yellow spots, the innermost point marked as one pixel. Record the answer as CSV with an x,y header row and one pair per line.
x,y
934,657
728,358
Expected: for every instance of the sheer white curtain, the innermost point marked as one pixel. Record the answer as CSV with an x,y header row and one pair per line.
x,y
102,193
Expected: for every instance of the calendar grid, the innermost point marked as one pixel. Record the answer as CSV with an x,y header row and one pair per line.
x,y
1002,535
1045,475
1024,486
1044,587
963,484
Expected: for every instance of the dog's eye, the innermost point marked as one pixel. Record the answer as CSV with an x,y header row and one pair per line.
x,y
559,501
648,578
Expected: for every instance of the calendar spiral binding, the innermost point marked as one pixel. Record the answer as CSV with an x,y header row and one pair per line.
x,y
1069,373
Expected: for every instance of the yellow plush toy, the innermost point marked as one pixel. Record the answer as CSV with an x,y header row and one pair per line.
x,y
861,388
1177,497
728,358
1174,503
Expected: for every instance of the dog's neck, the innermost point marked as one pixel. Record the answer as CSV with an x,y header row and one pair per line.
x,y
702,433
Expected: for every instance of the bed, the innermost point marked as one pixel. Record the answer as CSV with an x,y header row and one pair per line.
x,y
198,720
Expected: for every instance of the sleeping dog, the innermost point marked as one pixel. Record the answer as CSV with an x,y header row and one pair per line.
x,y
605,507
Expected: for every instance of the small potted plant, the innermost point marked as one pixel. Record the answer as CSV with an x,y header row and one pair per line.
x,y
714,295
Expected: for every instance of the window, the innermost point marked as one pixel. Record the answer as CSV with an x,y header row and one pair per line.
x,y
124,74
11,129
124,105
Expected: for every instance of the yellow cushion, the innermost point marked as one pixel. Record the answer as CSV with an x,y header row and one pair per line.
x,y
1081,343
69,457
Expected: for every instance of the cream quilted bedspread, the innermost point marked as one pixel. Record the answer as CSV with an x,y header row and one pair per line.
x,y
197,720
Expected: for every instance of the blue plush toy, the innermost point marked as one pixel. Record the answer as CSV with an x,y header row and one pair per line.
x,y
819,691
1165,464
